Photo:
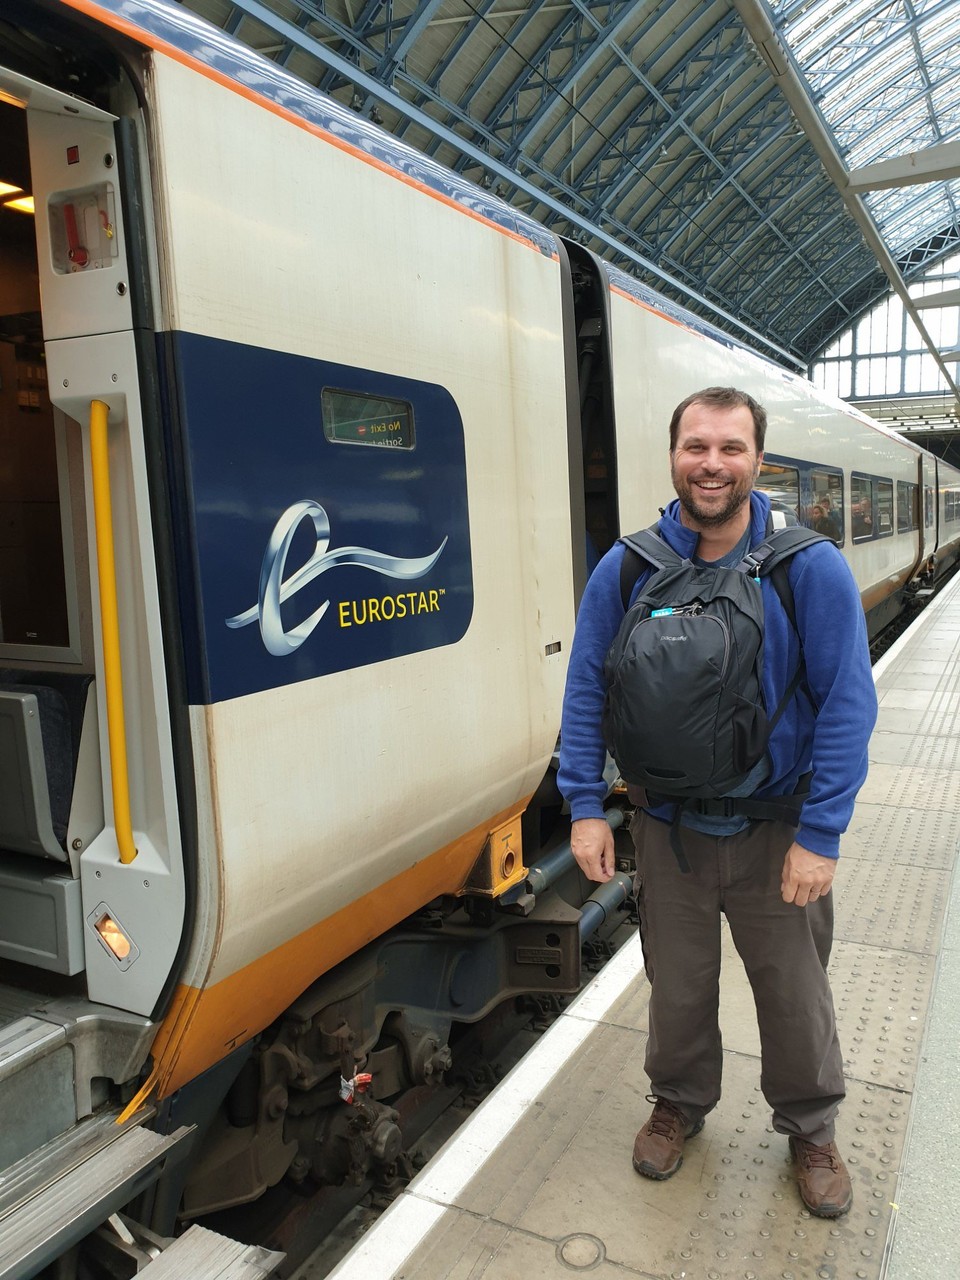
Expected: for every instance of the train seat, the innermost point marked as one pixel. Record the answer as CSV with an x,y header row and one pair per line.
x,y
36,773
41,725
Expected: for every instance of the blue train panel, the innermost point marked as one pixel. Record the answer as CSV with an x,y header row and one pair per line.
x,y
322,517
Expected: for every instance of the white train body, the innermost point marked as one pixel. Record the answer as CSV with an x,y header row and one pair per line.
x,y
342,661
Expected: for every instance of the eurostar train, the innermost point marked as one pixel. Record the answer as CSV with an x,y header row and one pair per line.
x,y
307,446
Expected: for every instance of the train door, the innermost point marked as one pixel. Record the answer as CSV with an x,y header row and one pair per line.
x,y
595,461
92,893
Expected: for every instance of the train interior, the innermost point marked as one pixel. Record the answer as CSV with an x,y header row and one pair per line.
x,y
58,1052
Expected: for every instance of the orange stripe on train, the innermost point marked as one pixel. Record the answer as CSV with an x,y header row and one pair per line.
x,y
204,1025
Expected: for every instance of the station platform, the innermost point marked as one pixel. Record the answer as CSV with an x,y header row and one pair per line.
x,y
539,1181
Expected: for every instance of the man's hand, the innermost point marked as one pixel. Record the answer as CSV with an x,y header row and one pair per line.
x,y
806,876
592,843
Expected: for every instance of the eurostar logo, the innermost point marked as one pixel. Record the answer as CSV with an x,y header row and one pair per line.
x,y
275,589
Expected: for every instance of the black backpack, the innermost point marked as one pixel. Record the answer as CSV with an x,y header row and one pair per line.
x,y
683,714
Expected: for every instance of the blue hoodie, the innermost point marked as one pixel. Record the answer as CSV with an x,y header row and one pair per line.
x,y
832,743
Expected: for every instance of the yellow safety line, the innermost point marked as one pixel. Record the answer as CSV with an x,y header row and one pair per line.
x,y
110,627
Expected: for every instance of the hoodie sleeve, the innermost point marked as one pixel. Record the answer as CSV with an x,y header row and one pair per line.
x,y
837,657
582,752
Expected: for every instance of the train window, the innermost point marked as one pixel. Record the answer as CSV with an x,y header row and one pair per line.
x,y
908,496
883,512
928,506
861,507
782,487
871,507
825,512
951,504
350,417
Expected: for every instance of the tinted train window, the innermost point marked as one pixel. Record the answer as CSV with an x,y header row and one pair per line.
x,y
861,507
871,507
928,506
883,511
907,506
782,487
825,512
351,418
951,503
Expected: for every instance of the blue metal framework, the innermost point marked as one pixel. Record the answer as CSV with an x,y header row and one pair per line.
x,y
658,127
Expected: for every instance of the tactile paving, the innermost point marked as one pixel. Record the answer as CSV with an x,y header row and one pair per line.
x,y
905,785
880,997
889,904
732,1210
909,834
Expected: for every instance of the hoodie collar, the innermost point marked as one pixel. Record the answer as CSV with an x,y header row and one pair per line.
x,y
684,540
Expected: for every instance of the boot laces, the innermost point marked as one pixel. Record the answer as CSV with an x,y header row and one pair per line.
x,y
666,1118
821,1157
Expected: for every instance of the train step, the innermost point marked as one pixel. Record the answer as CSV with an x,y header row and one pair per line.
x,y
55,1196
55,1054
200,1252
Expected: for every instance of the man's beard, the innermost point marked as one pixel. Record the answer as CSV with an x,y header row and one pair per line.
x,y
712,517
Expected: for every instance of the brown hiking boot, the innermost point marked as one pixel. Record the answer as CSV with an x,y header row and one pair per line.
x,y
658,1150
822,1178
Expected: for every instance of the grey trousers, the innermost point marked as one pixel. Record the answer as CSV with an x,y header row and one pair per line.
x,y
784,949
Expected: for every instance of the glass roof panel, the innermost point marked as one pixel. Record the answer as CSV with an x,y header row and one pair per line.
x,y
886,76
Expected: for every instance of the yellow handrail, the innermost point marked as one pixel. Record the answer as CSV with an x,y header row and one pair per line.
x,y
110,628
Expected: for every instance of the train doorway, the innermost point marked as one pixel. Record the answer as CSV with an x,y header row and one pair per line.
x,y
595,390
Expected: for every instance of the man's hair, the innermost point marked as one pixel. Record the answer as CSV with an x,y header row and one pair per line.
x,y
722,398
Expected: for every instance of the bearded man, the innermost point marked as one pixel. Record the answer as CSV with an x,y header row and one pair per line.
x,y
771,879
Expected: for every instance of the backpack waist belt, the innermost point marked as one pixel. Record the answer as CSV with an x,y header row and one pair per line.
x,y
772,809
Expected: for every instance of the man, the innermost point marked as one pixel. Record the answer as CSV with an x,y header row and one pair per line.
x,y
771,881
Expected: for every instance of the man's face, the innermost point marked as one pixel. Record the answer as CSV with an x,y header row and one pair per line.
x,y
715,463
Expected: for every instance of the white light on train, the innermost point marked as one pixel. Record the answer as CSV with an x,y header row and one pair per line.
x,y
22,205
113,936
8,189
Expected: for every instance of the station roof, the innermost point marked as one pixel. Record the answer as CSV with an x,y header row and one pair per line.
x,y
771,164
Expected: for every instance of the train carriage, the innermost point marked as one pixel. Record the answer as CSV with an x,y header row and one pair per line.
x,y
308,447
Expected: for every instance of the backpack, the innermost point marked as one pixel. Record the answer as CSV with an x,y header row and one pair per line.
x,y
683,714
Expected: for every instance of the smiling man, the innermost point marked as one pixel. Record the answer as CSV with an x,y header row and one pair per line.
x,y
769,876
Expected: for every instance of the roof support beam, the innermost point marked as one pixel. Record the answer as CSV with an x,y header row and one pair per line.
x,y
419,20
951,298
759,22
928,165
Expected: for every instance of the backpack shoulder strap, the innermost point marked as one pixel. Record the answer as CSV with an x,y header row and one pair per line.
x,y
770,559
777,546
640,549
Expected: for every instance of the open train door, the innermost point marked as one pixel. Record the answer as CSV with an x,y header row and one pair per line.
x,y
593,454
92,886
